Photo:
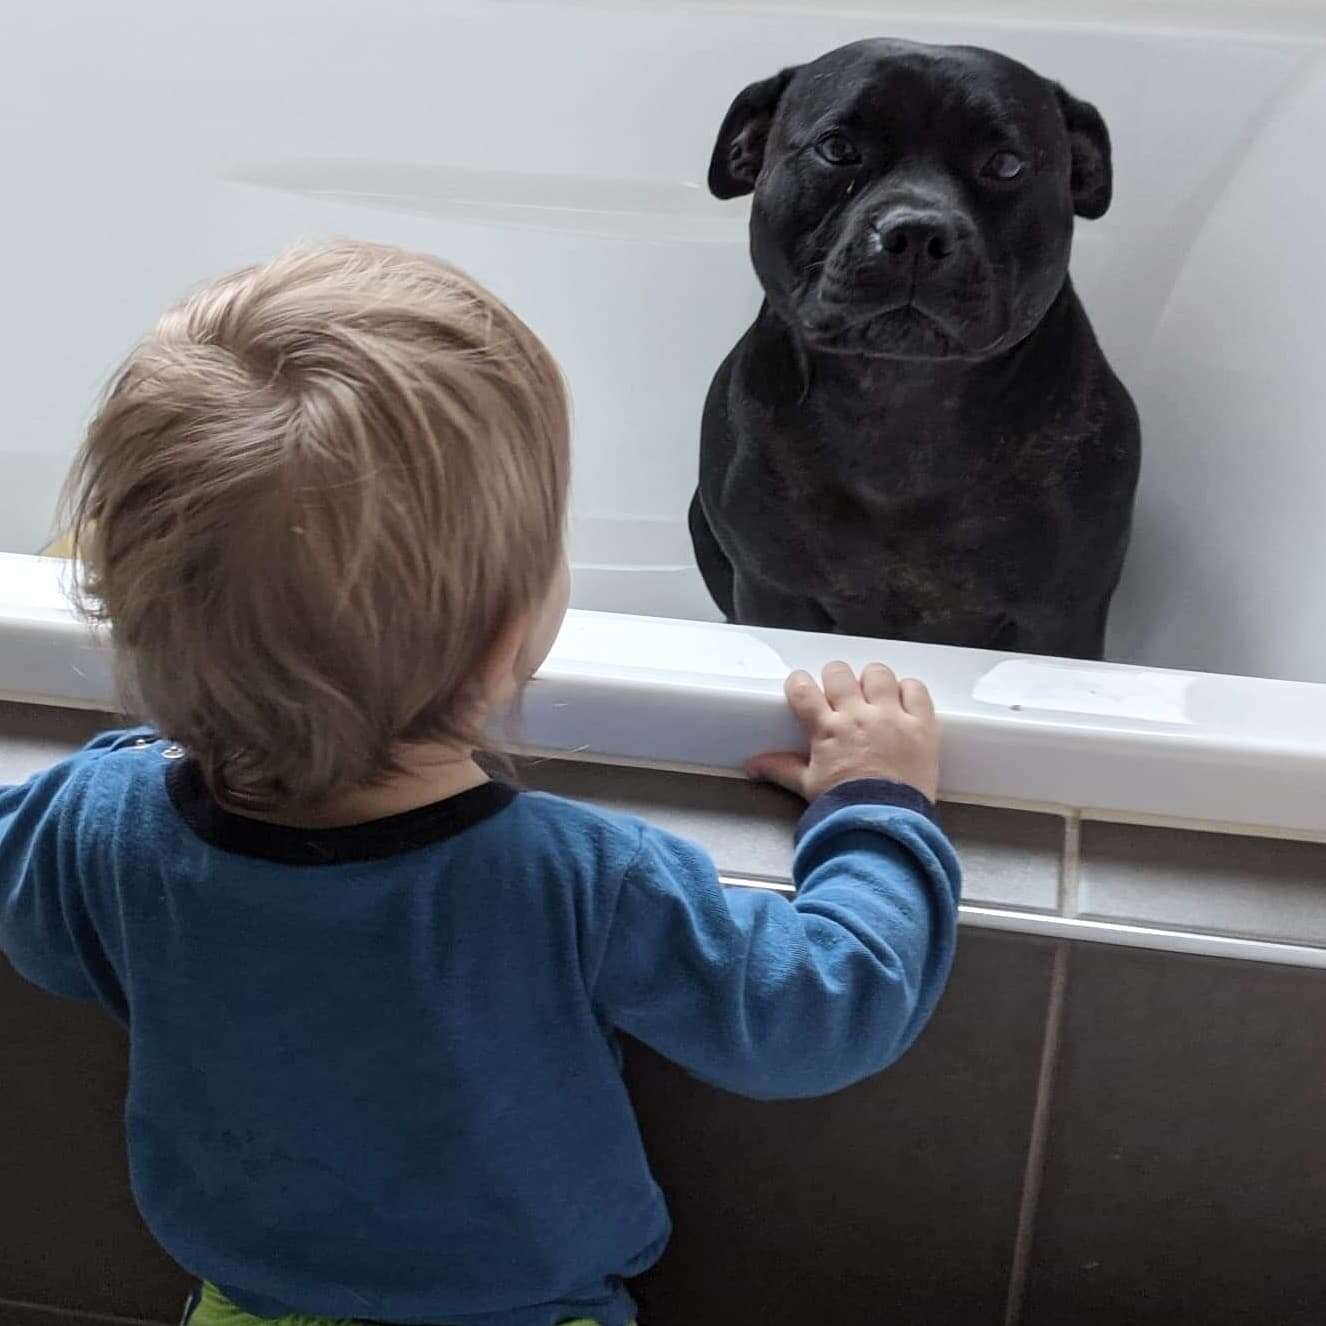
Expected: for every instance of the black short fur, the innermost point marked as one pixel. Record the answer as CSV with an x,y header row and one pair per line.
x,y
919,437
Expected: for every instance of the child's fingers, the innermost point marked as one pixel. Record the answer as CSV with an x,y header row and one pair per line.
x,y
806,699
916,699
879,684
784,768
840,685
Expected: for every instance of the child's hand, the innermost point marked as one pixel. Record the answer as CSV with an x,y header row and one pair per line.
x,y
878,727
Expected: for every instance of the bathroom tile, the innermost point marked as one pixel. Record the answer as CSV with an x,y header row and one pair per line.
x,y
1009,857
1184,1179
746,827
895,1200
72,1237
1205,881
31,1314
35,736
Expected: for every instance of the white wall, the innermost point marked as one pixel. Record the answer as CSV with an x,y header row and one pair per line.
x,y
556,150
1228,565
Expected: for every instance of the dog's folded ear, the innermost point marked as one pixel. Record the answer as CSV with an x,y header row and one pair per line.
x,y
1092,179
739,151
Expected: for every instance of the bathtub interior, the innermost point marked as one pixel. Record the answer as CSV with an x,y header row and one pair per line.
x,y
558,151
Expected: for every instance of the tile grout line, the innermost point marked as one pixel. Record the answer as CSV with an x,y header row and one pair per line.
x,y
1037,1142
1070,866
76,1316
1033,1176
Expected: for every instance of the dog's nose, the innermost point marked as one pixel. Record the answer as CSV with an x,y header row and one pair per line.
x,y
908,234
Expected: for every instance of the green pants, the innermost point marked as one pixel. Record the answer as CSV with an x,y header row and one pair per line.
x,y
208,1307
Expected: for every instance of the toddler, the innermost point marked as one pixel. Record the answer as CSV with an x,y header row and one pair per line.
x,y
373,995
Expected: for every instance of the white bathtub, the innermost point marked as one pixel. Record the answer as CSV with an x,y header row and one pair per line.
x,y
556,149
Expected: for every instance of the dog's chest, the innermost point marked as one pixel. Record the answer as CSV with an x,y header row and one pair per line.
x,y
924,520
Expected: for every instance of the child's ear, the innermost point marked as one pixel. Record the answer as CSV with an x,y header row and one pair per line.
x,y
499,673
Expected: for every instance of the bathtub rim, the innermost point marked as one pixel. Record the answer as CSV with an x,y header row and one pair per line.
x,y
1252,762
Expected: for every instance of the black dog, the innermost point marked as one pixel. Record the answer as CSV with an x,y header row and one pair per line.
x,y
919,437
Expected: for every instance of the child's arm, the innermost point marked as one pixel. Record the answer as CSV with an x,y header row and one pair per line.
x,y
45,929
771,997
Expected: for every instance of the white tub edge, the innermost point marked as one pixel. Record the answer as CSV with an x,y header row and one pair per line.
x,y
1122,742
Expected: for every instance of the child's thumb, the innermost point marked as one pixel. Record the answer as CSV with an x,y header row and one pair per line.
x,y
784,768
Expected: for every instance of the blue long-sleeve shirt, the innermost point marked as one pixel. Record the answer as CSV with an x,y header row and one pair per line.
x,y
373,1071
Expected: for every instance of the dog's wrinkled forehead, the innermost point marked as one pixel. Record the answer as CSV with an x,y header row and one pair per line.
x,y
917,93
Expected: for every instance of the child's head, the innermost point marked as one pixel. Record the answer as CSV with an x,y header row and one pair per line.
x,y
322,508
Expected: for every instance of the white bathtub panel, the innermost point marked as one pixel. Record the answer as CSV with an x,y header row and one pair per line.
x,y
559,150
1231,542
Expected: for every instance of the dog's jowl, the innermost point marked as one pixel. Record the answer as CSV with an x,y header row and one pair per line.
x,y
919,437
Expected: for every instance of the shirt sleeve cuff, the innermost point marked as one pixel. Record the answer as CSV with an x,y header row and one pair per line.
x,y
865,792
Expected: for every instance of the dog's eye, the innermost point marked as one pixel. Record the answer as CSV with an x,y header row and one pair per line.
x,y
837,149
1005,166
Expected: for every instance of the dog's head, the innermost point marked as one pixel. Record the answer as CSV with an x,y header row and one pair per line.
x,y
912,201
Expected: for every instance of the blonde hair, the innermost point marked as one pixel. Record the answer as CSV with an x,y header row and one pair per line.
x,y
308,506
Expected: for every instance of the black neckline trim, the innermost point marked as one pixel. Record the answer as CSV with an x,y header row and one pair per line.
x,y
373,841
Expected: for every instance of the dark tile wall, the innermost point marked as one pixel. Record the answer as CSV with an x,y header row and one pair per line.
x,y
900,1192
895,1200
32,1314
1185,1176
1183,1181
1185,1166
71,1235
